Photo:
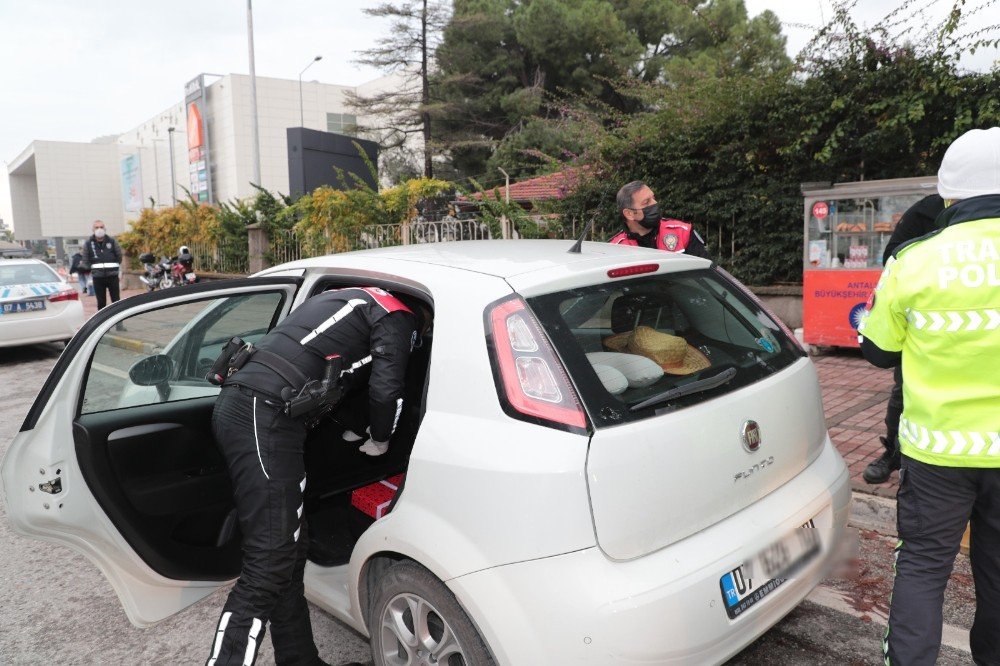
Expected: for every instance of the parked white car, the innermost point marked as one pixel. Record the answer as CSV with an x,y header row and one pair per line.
x,y
36,304
612,456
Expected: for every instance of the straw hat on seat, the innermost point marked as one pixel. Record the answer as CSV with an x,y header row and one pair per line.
x,y
670,352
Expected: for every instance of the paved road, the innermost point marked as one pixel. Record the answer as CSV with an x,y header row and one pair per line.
x,y
57,608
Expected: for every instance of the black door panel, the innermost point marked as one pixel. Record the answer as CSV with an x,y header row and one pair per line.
x,y
157,473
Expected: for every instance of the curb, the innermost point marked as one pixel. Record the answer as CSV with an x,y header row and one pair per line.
x,y
131,344
871,512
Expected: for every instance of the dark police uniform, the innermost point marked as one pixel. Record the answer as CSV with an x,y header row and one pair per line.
x,y
105,258
374,333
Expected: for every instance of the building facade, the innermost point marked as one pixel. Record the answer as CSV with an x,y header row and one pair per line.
x,y
59,188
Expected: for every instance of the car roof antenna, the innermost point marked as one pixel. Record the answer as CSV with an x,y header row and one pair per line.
x,y
578,245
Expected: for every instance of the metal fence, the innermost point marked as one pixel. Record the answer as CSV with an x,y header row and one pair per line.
x,y
226,256
287,245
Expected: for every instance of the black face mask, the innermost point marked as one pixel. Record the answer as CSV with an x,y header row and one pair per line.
x,y
650,216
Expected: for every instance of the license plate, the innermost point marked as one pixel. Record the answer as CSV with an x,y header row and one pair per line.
x,y
21,306
190,277
750,582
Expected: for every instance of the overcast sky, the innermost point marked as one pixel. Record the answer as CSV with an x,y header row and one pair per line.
x,y
73,71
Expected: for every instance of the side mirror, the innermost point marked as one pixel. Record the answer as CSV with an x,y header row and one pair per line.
x,y
152,370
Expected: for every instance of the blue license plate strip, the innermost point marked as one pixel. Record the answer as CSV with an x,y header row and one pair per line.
x,y
21,306
773,566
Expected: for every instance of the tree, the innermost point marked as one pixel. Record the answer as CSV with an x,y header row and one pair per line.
x,y
729,153
399,112
501,60
503,64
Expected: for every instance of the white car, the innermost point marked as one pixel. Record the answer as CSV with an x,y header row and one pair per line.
x,y
611,456
36,304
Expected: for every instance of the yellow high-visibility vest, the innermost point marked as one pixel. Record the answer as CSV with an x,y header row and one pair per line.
x,y
938,302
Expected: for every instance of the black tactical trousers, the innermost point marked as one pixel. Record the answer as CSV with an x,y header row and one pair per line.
x,y
263,450
104,287
933,506
893,410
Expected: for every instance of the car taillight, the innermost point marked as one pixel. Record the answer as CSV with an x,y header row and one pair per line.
x,y
530,378
71,295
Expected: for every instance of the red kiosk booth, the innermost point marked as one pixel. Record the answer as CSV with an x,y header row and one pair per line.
x,y
847,226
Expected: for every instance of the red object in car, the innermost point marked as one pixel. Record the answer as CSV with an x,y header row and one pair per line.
x,y
374,499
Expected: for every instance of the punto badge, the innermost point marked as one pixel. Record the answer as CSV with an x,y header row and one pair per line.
x,y
750,436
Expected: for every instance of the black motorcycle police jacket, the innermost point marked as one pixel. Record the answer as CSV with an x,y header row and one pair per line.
x,y
104,256
372,331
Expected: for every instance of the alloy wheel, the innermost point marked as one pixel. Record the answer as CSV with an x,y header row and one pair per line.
x,y
415,634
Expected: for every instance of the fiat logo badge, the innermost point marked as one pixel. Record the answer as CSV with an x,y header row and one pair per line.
x,y
750,436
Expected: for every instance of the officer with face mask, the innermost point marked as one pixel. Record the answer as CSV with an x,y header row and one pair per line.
x,y
645,227
105,257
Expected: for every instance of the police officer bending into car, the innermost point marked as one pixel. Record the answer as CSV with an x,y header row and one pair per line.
x,y
935,309
271,392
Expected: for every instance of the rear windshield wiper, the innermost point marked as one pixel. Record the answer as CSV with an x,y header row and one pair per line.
x,y
694,387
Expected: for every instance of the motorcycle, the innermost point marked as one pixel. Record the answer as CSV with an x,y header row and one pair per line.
x,y
157,273
167,272
182,269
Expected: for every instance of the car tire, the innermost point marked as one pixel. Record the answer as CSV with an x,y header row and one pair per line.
x,y
415,619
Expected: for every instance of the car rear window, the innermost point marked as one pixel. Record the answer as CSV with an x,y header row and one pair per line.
x,y
639,347
15,274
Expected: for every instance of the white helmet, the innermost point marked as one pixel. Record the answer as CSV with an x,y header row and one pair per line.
x,y
971,165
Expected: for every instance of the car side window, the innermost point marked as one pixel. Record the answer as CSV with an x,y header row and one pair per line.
x,y
163,355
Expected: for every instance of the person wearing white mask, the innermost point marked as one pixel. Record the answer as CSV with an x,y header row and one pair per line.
x,y
105,258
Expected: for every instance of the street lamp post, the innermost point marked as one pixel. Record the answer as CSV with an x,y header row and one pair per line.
x,y
254,129
302,122
173,180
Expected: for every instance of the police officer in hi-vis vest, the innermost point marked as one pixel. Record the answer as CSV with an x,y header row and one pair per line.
x,y
936,309
105,257
645,227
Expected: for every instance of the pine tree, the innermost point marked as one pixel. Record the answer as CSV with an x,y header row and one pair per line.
x,y
397,113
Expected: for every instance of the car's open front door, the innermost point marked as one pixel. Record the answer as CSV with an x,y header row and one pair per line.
x,y
116,457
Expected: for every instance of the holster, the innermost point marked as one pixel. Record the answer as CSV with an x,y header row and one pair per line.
x,y
224,364
318,397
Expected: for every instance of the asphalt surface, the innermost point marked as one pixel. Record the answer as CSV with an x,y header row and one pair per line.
x,y
59,609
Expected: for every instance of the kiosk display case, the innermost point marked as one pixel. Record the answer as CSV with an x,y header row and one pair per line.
x,y
847,227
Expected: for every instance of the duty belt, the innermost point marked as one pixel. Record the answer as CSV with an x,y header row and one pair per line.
x,y
303,397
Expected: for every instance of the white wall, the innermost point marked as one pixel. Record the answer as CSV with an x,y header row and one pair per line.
x,y
24,204
151,140
77,184
277,110
73,184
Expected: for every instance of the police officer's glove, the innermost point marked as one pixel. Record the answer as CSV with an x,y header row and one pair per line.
x,y
350,436
373,448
